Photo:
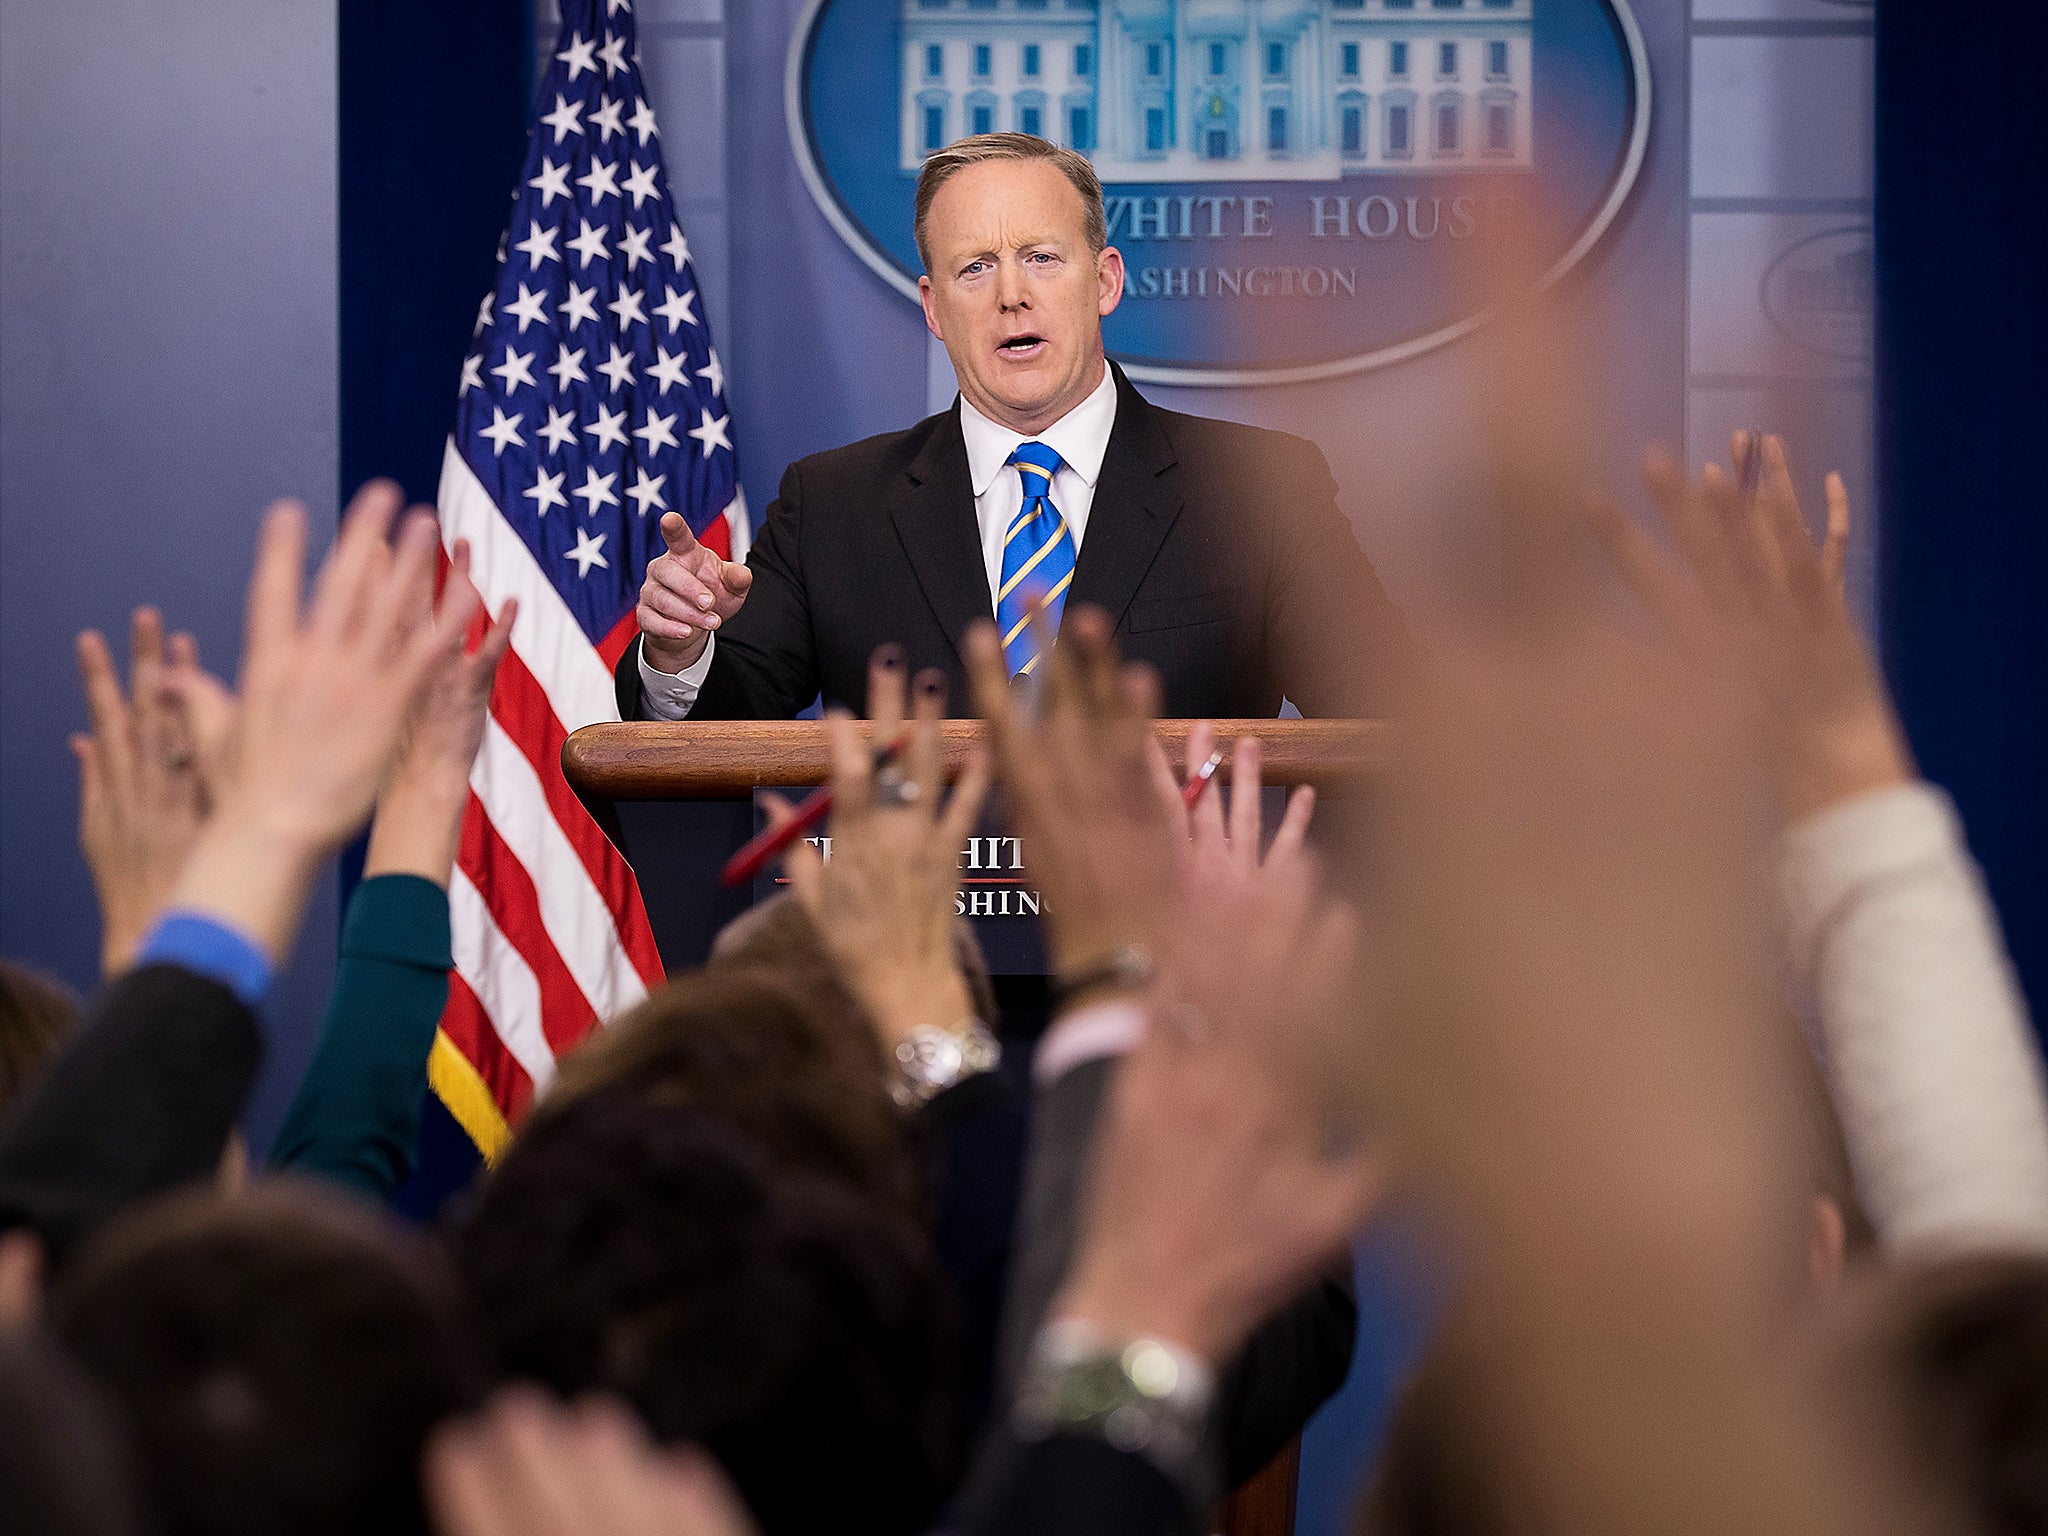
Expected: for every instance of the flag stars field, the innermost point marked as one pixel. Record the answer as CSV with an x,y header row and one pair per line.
x,y
559,494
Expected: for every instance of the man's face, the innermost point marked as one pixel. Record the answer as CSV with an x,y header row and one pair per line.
x,y
1015,293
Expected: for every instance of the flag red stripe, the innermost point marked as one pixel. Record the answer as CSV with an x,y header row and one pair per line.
x,y
522,708
469,1028
507,889
614,644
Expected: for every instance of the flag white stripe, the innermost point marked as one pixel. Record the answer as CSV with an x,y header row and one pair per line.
x,y
571,908
503,982
546,635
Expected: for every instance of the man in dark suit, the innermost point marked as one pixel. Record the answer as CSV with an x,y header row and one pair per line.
x,y
1216,549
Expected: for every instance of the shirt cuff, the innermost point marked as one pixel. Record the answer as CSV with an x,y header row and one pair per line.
x,y
210,948
1826,858
1086,1034
672,695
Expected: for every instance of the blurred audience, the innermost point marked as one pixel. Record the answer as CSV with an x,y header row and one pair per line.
x,y
279,1357
625,1248
1674,1017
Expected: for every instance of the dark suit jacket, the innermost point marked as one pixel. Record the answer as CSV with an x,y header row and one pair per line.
x,y
1217,550
1074,1485
140,1100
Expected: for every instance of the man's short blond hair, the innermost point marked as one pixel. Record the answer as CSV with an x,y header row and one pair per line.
x,y
945,164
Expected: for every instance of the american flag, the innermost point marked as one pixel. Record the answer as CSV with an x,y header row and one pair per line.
x,y
591,402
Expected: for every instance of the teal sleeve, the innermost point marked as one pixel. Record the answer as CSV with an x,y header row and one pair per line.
x,y
356,1119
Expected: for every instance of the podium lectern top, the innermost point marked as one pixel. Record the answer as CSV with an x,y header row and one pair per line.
x,y
730,759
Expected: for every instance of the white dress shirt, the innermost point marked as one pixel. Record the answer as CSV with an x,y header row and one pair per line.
x,y
1080,438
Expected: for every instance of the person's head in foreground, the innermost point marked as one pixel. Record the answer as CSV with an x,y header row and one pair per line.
x,y
65,1468
793,1327
1946,1361
279,1359
1018,274
1959,1349
36,1013
784,1058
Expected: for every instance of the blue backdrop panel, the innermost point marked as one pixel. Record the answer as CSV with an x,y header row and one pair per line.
x,y
1963,249
167,367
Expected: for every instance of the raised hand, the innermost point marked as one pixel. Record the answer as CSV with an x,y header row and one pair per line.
x,y
418,824
884,901
142,799
211,712
689,592
1100,839
1215,847
1757,604
1224,1178
327,689
529,1467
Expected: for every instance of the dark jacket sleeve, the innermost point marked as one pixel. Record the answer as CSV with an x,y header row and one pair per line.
x,y
765,666
1267,1393
972,1140
139,1101
356,1119
1072,1485
1335,640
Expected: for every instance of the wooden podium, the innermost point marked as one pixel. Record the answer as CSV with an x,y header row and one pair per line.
x,y
678,795
730,759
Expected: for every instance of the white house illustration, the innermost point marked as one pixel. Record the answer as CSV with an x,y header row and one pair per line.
x,y
1216,90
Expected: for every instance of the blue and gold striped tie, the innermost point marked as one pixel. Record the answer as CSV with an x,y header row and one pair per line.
x,y
1038,556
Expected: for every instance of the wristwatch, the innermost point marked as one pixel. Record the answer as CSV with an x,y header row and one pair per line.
x,y
1140,1394
930,1060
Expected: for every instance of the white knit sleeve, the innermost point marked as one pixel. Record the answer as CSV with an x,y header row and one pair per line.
x,y
1926,1040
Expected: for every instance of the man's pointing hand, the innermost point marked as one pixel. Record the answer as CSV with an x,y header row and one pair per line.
x,y
689,592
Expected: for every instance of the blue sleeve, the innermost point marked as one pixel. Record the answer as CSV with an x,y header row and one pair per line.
x,y
212,949
356,1119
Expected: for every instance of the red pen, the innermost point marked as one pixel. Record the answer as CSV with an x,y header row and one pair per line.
x,y
766,845
1199,780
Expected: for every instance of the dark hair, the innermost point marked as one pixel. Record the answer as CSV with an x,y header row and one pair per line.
x,y
793,1327
64,1466
788,1061
943,165
279,1359
1963,1346
36,1012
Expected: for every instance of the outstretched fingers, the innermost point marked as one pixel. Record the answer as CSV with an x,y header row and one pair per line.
x,y
106,706
853,786
1246,803
277,587
348,585
1292,833
1834,554
970,793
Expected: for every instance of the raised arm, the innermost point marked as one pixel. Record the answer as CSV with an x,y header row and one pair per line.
x,y
144,1095
1883,915
356,1117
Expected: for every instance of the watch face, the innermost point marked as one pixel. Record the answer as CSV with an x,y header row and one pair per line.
x,y
936,1056
945,1059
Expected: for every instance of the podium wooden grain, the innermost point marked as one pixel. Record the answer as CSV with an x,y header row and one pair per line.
x,y
730,759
